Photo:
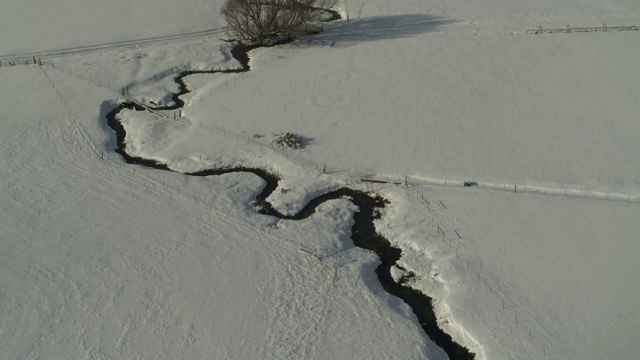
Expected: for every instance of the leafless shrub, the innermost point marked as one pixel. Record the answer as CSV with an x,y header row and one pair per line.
x,y
257,20
288,141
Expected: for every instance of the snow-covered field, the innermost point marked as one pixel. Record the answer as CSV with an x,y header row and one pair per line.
x,y
101,259
39,25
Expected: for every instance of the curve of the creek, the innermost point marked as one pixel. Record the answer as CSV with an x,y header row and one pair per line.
x,y
363,233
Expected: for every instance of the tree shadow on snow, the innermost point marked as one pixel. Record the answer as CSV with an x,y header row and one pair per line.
x,y
377,28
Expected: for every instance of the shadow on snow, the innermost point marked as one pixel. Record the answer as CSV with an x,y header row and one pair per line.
x,y
379,28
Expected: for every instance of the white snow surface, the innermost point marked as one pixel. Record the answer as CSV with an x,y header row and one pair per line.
x,y
40,25
101,259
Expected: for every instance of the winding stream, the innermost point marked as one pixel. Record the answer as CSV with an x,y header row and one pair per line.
x,y
363,231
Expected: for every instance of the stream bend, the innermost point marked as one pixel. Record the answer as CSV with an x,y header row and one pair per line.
x,y
363,232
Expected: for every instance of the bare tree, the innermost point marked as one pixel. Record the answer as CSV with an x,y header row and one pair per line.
x,y
257,20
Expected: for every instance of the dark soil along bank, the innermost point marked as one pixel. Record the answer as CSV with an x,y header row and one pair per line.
x,y
363,231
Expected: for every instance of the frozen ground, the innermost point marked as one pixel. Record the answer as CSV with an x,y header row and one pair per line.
x,y
104,259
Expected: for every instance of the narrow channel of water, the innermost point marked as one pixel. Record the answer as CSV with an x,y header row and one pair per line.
x,y
363,231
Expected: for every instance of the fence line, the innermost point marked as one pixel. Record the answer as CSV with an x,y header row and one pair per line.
x,y
116,44
569,29
531,189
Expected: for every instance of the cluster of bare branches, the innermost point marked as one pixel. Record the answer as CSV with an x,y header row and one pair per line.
x,y
257,20
288,140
